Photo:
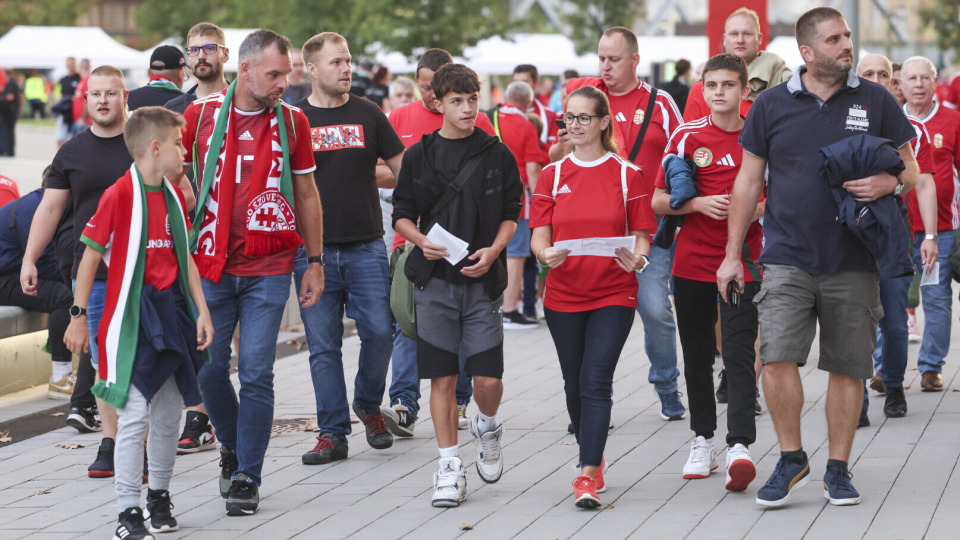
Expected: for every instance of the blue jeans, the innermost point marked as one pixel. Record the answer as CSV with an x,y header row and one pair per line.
x,y
937,306
405,386
589,344
890,356
356,280
243,425
98,297
656,312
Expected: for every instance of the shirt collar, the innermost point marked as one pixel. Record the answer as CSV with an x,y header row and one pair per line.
x,y
795,84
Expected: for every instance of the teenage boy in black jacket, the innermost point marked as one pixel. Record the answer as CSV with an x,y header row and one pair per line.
x,y
459,302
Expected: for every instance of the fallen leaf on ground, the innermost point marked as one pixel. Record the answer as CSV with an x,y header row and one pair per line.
x,y
57,414
311,425
43,492
466,527
5,436
609,506
71,446
354,421
567,443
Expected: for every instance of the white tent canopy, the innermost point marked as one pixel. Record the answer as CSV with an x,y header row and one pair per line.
x,y
47,47
551,53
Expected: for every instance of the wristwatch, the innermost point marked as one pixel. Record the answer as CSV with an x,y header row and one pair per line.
x,y
316,259
934,237
646,263
77,311
899,189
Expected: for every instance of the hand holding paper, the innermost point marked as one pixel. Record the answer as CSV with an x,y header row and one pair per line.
x,y
597,247
456,248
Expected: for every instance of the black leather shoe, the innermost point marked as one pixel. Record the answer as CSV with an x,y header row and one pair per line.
x,y
895,405
864,419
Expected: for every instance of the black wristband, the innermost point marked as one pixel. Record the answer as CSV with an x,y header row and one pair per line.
x,y
316,259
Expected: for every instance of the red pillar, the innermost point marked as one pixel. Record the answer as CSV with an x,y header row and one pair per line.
x,y
719,10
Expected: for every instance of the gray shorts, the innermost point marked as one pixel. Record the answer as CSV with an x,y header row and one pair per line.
x,y
847,305
454,318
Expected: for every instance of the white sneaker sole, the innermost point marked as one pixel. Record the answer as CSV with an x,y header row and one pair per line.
x,y
695,475
392,420
840,502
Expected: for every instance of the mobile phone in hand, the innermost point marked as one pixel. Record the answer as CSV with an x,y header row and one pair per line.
x,y
560,123
733,294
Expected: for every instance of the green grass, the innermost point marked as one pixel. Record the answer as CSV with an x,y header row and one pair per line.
x,y
31,122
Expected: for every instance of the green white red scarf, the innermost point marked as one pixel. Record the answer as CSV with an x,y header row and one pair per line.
x,y
125,259
271,223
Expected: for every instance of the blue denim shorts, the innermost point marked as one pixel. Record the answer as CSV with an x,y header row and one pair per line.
x,y
519,245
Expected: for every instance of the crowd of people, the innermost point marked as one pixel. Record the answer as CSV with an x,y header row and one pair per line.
x,y
178,216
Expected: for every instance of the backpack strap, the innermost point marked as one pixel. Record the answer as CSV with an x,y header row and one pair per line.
x,y
646,123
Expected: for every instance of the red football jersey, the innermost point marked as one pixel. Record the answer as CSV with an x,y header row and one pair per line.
x,y
702,242
160,266
943,127
253,139
923,149
589,204
628,112
697,106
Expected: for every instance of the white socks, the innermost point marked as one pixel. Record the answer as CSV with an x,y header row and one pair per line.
x,y
60,370
453,451
485,423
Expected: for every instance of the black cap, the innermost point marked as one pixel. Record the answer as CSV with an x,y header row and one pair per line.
x,y
167,57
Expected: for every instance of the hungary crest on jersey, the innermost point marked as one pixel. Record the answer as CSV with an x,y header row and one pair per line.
x,y
703,157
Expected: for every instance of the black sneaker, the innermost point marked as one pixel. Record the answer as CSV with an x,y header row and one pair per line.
x,y
329,448
722,387
84,419
130,526
160,508
103,466
399,420
197,434
895,404
243,499
514,320
377,435
228,465
864,420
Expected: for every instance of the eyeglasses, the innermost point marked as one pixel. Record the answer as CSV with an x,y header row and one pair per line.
x,y
209,48
582,119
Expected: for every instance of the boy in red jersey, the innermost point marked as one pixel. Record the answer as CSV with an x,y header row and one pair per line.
x,y
712,144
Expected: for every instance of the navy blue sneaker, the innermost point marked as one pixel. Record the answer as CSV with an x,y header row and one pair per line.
x,y
670,406
786,477
838,489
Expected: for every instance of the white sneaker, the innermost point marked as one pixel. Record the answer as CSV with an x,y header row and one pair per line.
x,y
702,460
462,421
489,457
913,331
62,389
538,309
740,468
449,483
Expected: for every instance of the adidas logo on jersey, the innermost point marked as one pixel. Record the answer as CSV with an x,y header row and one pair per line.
x,y
563,189
620,117
727,160
246,136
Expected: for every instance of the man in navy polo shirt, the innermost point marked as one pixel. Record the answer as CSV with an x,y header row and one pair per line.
x,y
814,269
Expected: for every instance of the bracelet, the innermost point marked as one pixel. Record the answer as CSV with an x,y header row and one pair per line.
x,y
539,260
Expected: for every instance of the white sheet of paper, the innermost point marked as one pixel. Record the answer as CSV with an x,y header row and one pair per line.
x,y
931,278
456,248
597,247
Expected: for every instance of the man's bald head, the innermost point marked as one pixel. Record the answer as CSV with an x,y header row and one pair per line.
x,y
876,68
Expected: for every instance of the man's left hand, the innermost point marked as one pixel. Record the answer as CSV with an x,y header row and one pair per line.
x,y
928,254
871,188
312,286
486,257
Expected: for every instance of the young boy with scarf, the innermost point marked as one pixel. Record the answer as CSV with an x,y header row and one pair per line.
x,y
150,338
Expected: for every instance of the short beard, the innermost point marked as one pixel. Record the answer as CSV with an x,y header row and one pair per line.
x,y
827,70
212,76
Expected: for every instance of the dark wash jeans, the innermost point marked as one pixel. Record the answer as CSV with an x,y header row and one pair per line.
x,y
589,344
696,303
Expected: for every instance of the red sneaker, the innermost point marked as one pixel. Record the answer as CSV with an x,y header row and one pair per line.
x,y
585,492
598,478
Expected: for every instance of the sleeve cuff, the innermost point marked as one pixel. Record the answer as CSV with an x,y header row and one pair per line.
x,y
304,171
92,244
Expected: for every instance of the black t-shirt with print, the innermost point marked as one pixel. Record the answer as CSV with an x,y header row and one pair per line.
x,y
87,165
347,141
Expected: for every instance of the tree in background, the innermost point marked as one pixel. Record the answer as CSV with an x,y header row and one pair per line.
x,y
401,25
589,18
944,17
41,12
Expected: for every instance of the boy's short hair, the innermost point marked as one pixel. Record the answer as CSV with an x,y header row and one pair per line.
x,y
456,78
148,124
726,61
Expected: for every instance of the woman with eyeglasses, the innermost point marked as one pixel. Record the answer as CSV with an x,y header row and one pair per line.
x,y
590,300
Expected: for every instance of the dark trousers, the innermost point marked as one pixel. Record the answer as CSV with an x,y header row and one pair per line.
x,y
696,304
52,297
531,270
589,344
8,113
